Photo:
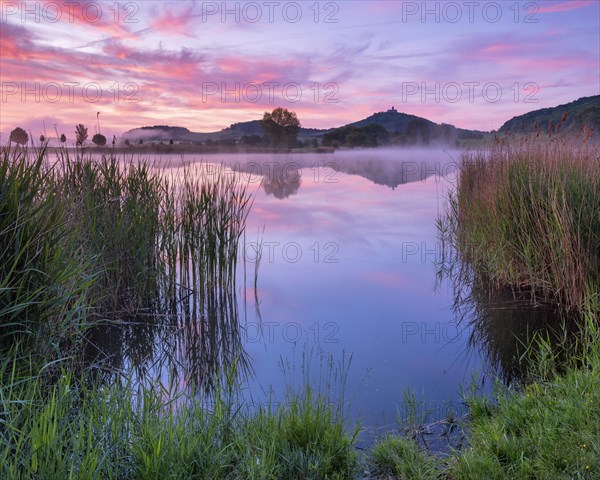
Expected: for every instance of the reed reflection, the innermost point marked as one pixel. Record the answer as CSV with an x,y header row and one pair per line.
x,y
188,335
506,325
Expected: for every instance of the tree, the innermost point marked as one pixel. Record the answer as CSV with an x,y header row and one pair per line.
x,y
81,134
282,126
19,136
42,138
251,140
99,140
63,138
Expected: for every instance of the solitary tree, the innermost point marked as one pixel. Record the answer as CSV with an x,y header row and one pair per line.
x,y
63,138
282,126
81,134
19,136
99,140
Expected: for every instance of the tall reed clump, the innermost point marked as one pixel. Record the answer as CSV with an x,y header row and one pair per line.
x,y
89,238
113,209
203,215
44,277
526,215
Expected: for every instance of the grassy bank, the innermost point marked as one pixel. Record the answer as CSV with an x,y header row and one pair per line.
x,y
76,429
548,428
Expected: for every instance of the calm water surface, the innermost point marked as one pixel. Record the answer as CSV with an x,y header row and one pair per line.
x,y
347,274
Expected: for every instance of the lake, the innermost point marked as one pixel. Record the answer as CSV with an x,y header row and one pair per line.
x,y
338,289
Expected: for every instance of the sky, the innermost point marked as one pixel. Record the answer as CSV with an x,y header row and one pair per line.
x,y
206,65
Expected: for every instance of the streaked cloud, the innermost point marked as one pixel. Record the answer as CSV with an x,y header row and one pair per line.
x,y
182,68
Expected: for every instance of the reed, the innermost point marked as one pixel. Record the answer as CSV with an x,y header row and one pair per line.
x,y
526,215
44,278
89,239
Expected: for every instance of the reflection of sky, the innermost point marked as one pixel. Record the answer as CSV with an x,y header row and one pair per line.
x,y
377,302
358,280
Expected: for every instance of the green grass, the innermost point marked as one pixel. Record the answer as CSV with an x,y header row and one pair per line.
x,y
402,459
77,429
548,429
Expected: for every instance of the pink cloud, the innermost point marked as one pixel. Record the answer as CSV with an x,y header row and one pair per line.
x,y
556,7
500,47
94,15
170,21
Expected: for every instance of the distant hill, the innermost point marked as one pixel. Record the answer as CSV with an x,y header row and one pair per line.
x,y
585,111
392,120
389,127
396,128
235,131
396,122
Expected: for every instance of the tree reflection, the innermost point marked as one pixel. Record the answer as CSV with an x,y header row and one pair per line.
x,y
282,180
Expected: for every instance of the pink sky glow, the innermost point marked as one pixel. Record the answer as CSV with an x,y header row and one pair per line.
x,y
205,65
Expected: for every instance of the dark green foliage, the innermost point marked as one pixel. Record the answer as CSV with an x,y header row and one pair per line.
x,y
282,126
582,112
99,140
19,136
418,131
368,136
